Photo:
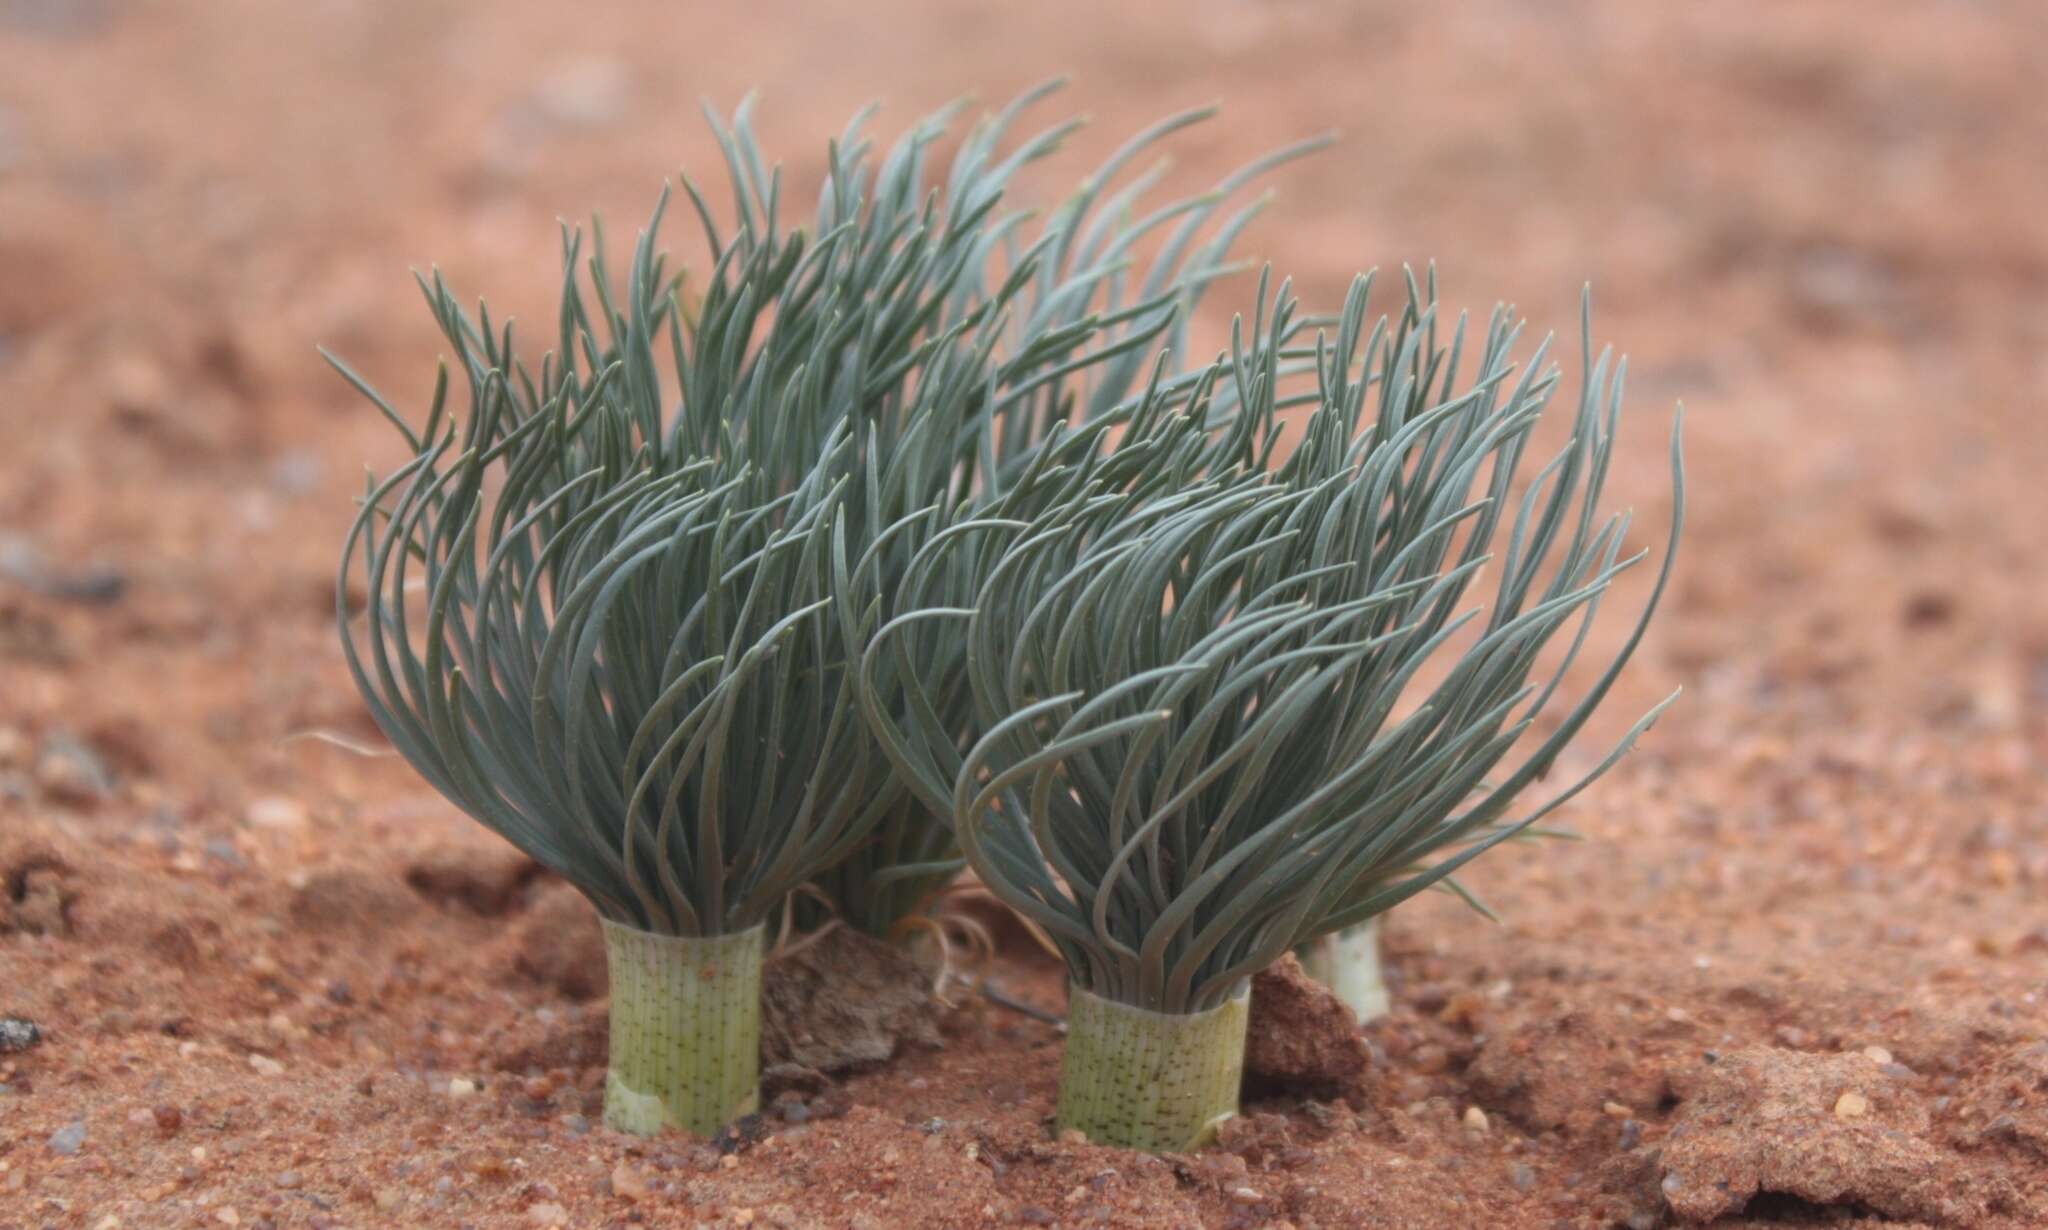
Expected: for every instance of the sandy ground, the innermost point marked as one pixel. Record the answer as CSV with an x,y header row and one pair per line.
x,y
1795,977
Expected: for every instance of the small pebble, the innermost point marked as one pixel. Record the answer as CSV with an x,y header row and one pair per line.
x,y
66,1140
1631,1134
1615,1110
288,1179
628,1183
1523,1176
795,1112
461,1087
18,1034
276,813
1877,1055
1851,1105
265,1065
547,1213
1475,1119
228,1217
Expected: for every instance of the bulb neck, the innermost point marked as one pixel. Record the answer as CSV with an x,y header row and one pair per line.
x,y
685,1029
1348,962
1156,1081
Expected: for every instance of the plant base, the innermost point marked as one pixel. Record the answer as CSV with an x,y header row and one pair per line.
x,y
1348,962
1155,1081
685,1031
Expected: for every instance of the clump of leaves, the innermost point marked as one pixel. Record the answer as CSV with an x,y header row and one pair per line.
x,y
600,606
1223,710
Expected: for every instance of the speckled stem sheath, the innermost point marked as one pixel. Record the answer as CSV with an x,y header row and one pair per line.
x,y
1348,962
686,1030
1155,1081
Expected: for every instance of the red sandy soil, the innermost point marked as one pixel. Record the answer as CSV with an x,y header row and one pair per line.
x,y
1794,977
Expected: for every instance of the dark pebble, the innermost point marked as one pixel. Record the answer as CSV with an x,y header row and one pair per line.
x,y
95,586
17,1034
740,1134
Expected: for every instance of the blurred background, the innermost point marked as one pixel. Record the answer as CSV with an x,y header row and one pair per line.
x,y
1821,224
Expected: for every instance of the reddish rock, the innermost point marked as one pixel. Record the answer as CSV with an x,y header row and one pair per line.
x,y
1301,1037
37,886
1559,1069
558,942
358,899
480,875
1764,1121
841,1001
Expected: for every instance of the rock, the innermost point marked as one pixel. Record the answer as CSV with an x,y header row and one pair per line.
x,y
547,1213
1763,1120
275,812
559,943
1548,1069
349,897
23,562
461,1087
1851,1105
68,1139
1475,1119
264,1065
1300,1036
841,1001
2010,1099
629,1183
36,888
18,1034
70,771
484,877
578,1043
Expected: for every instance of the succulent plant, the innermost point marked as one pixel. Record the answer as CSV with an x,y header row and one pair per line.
x,y
601,607
1225,700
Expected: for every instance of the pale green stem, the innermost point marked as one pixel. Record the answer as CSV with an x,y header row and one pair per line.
x,y
1348,962
1156,1081
686,1030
